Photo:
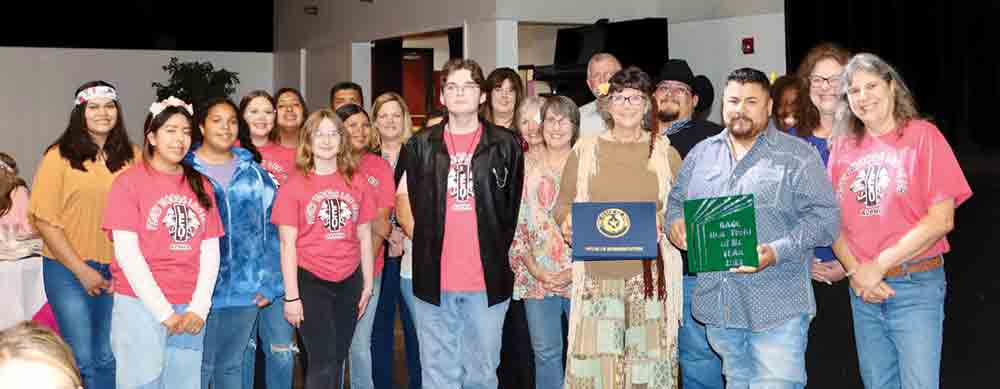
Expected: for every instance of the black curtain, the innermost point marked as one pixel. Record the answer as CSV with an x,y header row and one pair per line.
x,y
456,48
387,66
946,52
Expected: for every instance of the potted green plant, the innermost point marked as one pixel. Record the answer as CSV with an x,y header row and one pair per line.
x,y
196,82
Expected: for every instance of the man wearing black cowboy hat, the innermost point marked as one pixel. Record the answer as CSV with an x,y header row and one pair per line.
x,y
676,101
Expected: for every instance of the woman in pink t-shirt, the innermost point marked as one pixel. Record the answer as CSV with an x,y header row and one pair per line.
x,y
323,214
276,134
898,184
165,236
378,175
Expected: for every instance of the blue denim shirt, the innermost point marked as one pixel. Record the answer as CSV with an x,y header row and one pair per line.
x,y
250,257
796,211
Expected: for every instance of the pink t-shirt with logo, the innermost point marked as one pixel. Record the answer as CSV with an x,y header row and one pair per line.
x,y
378,174
326,212
886,184
461,265
163,211
278,160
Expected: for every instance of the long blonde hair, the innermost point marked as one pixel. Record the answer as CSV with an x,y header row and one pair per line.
x,y
348,159
28,341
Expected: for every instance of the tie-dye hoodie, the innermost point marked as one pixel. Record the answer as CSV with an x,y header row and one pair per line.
x,y
250,256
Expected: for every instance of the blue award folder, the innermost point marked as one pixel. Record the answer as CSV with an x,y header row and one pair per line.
x,y
614,231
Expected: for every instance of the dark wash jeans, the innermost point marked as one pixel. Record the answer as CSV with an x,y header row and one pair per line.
x,y
331,312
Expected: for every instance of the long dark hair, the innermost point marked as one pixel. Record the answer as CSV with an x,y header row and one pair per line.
x,y
244,134
194,179
347,110
201,114
276,132
76,145
9,181
495,81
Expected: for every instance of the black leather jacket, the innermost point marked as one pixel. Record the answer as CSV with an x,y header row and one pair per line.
x,y
498,174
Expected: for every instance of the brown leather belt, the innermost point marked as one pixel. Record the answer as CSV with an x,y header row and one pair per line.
x,y
917,266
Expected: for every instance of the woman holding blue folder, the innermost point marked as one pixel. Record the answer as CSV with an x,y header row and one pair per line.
x,y
627,163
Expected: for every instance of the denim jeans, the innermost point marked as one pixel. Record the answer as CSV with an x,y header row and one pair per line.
x,y
147,356
227,331
701,367
394,294
899,340
545,326
279,351
330,311
772,359
84,321
361,344
460,340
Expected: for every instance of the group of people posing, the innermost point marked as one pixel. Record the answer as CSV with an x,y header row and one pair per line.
x,y
168,264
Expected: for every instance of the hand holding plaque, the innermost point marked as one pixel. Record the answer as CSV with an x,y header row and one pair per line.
x,y
721,234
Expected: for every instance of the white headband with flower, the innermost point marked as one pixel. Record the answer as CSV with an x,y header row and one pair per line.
x,y
95,91
171,101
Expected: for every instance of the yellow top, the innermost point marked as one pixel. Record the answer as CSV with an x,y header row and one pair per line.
x,y
74,201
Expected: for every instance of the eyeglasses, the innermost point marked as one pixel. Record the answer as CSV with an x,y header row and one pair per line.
x,y
452,88
326,134
834,81
672,90
564,122
634,99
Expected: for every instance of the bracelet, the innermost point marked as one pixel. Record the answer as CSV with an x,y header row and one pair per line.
x,y
285,299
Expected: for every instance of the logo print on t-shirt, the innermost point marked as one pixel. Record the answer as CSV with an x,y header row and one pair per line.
x,y
335,213
334,209
182,223
869,187
460,181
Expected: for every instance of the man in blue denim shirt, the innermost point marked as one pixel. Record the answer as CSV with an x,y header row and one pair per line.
x,y
758,318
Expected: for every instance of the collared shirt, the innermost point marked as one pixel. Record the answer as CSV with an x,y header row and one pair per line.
x,y
591,122
795,209
676,126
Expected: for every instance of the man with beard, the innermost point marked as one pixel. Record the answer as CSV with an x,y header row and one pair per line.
x,y
757,318
676,100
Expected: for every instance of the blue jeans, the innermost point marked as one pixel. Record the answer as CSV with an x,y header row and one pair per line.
x,y
279,351
545,326
84,321
383,335
147,356
227,331
701,368
361,343
460,340
899,340
772,359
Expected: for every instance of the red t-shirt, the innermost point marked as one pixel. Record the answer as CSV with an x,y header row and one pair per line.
x,y
378,173
326,213
278,160
163,211
886,184
461,265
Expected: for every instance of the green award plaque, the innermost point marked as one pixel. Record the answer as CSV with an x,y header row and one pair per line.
x,y
721,233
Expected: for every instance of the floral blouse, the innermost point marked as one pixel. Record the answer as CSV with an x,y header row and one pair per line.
x,y
537,233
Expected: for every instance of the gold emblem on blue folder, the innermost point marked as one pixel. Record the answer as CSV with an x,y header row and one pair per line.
x,y
613,223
